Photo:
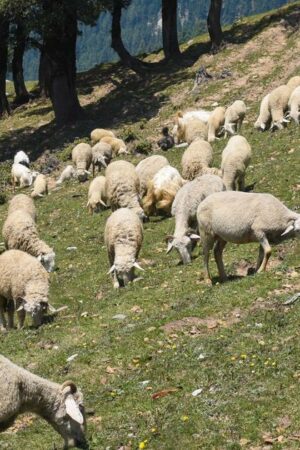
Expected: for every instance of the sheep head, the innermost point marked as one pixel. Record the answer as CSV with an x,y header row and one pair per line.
x,y
184,245
123,272
36,308
293,227
47,260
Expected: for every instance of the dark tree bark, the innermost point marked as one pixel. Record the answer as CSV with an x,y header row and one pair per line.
x,y
22,95
214,25
60,60
43,72
169,29
4,30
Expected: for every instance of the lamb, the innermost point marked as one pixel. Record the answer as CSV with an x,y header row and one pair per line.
x,y
161,191
264,119
99,133
123,237
278,105
24,287
40,187
184,209
82,158
294,105
19,232
102,155
236,157
189,130
118,145
22,202
215,123
96,195
21,158
21,175
68,173
234,117
122,187
147,168
197,156
240,218
61,405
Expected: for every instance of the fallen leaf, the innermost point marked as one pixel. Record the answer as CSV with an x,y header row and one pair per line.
x,y
164,393
111,370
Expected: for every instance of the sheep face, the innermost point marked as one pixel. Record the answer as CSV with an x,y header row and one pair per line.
x,y
123,273
82,175
36,309
48,261
184,246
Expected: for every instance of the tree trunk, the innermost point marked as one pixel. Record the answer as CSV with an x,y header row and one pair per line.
x,y
43,72
22,95
169,29
60,56
4,31
214,25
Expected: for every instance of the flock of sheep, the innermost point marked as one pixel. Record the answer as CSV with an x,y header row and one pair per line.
x,y
208,206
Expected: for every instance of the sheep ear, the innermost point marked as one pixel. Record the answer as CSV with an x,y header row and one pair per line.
x,y
194,236
138,266
73,410
103,204
170,247
40,258
288,229
112,269
103,162
263,126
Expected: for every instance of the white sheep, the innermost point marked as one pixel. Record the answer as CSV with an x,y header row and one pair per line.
x,y
40,186
147,168
102,155
21,175
96,195
234,117
82,159
123,237
236,157
99,133
215,123
240,218
264,119
294,105
118,145
200,114
68,173
22,202
161,191
123,187
19,232
184,209
278,105
189,130
24,286
21,158
61,405
197,156
293,82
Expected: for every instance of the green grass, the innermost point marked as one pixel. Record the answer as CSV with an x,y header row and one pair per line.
x,y
246,361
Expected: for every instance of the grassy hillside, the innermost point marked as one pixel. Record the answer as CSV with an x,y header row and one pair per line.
x,y
236,341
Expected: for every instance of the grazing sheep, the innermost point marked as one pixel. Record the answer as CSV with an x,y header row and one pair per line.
x,y
278,105
186,116
102,155
215,123
24,286
68,173
234,117
118,146
40,187
264,119
123,237
147,168
189,130
82,158
22,202
167,141
19,232
21,158
122,187
184,209
21,175
197,156
99,133
236,157
61,405
294,105
96,195
240,217
161,191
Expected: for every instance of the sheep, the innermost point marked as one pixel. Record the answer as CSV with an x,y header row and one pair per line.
x,y
68,173
264,119
82,158
147,168
22,202
197,156
293,82
40,187
189,130
161,191
99,133
240,218
184,209
102,155
278,105
24,287
186,116
19,232
21,158
123,238
122,187
21,175
294,105
215,123
61,405
167,141
118,145
234,117
236,157
96,195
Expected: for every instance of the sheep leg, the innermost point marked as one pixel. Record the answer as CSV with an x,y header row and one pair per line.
x,y
93,165
21,318
218,253
2,315
207,244
260,257
267,253
241,183
10,314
